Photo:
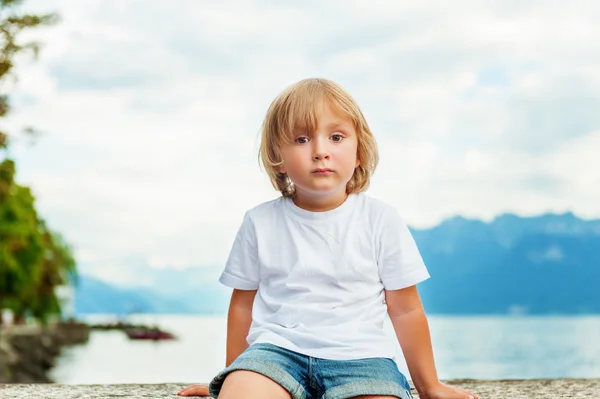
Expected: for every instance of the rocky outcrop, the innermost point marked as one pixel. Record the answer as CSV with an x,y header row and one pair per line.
x,y
506,389
28,352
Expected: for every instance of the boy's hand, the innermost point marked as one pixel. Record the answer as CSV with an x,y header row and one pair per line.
x,y
194,390
442,391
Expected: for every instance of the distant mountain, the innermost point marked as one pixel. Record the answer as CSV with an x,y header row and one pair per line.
x,y
548,264
95,296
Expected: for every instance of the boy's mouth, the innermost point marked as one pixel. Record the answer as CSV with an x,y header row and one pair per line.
x,y
322,171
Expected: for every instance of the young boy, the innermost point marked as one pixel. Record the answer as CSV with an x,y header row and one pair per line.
x,y
315,271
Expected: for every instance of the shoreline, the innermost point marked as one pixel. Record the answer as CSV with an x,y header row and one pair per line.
x,y
28,352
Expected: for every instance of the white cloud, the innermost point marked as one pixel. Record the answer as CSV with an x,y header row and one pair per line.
x,y
151,113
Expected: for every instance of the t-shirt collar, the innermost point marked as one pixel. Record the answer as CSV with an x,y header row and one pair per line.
x,y
341,210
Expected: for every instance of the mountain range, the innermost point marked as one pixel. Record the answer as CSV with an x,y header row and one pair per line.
x,y
164,291
548,264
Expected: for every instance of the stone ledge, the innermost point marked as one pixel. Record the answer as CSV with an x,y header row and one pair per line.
x,y
502,389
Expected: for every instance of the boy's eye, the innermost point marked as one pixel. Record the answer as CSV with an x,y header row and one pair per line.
x,y
337,137
301,140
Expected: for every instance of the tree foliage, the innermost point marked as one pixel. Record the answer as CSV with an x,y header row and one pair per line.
x,y
34,260
11,25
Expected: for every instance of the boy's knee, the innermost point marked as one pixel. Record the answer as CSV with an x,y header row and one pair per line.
x,y
250,385
374,397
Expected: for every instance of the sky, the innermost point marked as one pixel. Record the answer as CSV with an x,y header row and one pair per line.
x,y
149,113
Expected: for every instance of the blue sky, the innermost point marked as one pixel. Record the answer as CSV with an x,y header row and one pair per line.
x,y
150,113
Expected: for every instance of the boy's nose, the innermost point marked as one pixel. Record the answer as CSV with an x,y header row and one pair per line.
x,y
320,156
320,151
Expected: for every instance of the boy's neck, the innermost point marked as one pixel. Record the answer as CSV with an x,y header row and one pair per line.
x,y
319,204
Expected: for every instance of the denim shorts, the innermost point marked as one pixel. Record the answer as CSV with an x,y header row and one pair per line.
x,y
313,378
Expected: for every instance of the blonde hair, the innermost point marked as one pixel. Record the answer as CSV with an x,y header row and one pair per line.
x,y
298,107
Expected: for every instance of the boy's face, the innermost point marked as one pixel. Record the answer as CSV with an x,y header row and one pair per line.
x,y
322,162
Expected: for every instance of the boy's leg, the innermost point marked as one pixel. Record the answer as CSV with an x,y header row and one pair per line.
x,y
263,371
250,385
374,397
370,378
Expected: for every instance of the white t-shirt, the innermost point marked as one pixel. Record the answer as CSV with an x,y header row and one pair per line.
x,y
321,275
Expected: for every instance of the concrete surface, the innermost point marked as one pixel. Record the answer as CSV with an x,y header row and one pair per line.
x,y
506,389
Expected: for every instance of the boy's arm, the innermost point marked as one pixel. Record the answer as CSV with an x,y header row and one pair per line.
x,y
410,324
239,319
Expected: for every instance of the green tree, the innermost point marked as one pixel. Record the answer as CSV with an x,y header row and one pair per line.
x,y
21,245
57,268
11,25
33,259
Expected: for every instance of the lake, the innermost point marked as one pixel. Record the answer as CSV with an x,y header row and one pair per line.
x,y
483,347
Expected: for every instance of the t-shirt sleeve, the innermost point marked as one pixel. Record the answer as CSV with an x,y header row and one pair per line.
x,y
399,261
241,270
